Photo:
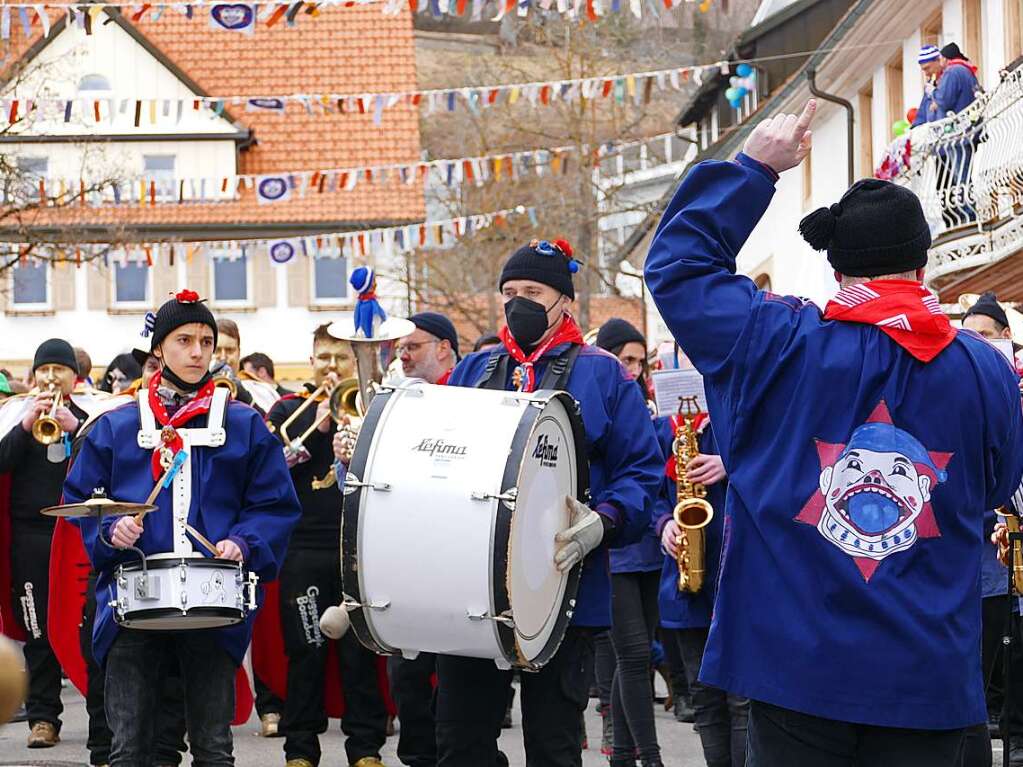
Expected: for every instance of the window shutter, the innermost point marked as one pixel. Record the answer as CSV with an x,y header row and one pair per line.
x,y
298,282
265,288
98,283
62,282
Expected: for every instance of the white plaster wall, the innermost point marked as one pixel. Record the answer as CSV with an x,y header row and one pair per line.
x,y
879,116
992,29
912,79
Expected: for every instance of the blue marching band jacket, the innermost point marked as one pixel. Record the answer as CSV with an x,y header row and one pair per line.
x,y
850,583
236,482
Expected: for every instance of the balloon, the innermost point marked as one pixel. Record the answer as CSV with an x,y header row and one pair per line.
x,y
705,6
731,94
911,114
744,70
749,83
734,81
899,127
736,103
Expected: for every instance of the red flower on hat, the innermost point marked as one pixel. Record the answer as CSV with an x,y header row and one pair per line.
x,y
564,247
187,296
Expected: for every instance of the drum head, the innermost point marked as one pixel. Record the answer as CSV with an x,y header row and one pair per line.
x,y
537,590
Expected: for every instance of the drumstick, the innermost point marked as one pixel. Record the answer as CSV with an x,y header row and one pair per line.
x,y
164,481
203,540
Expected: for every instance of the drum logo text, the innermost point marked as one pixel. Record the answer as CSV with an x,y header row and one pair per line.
x,y
309,615
438,447
546,452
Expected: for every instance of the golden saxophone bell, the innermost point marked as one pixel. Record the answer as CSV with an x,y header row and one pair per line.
x,y
46,430
693,511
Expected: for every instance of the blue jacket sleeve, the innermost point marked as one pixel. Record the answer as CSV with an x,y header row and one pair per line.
x,y
690,268
923,112
91,469
270,509
955,91
632,460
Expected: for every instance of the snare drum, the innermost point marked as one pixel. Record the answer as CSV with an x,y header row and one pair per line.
x,y
452,502
173,593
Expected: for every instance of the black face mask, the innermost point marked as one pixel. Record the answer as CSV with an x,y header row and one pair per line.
x,y
182,385
527,321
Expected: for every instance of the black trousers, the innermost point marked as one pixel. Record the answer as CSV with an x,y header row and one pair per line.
x,y
266,701
412,690
133,673
169,744
721,717
472,696
310,582
779,737
30,582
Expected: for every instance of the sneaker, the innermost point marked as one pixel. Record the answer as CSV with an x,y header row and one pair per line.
x,y
606,739
269,725
43,735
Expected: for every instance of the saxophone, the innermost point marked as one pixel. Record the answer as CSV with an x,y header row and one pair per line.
x,y
692,510
1012,523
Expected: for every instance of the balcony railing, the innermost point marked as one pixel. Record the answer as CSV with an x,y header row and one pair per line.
x,y
967,170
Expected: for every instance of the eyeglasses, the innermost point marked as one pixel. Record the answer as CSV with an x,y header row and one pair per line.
x,y
412,347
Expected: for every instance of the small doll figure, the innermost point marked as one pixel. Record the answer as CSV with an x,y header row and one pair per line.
x,y
368,312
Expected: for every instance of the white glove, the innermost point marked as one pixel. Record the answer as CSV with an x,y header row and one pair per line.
x,y
583,536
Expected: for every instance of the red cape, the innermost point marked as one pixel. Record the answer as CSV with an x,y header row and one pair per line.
x,y
69,575
270,662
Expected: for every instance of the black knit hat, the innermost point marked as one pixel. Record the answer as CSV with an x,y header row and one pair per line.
x,y
547,262
988,306
876,228
437,324
616,332
183,309
55,351
951,51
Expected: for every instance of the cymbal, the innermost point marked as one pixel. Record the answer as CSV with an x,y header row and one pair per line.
x,y
96,506
390,329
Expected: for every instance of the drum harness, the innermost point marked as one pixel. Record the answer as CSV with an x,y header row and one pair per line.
x,y
555,377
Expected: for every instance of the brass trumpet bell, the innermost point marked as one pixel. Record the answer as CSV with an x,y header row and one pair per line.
x,y
46,430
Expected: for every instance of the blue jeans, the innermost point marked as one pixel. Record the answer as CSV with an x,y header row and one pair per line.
x,y
779,737
133,695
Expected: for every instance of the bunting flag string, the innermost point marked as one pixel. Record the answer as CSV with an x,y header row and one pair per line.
x,y
285,185
242,17
635,87
354,245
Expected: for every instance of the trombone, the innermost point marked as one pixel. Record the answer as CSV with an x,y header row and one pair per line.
x,y
343,398
46,429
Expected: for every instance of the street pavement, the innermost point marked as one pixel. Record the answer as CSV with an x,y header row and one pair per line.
x,y
680,746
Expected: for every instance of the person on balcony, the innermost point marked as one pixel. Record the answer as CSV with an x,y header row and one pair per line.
x,y
951,87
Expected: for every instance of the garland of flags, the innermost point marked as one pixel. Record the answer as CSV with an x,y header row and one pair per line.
x,y
244,17
357,245
286,185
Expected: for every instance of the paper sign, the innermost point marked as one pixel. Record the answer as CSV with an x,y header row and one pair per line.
x,y
671,385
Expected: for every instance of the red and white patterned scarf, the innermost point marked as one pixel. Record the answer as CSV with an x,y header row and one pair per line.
x,y
567,332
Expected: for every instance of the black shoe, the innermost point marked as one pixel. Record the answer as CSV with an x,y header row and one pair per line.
x,y
1015,752
684,710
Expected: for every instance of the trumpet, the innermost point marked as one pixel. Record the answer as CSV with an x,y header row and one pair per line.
x,y
1012,523
343,398
46,429
692,511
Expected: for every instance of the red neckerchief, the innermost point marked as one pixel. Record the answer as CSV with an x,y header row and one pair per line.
x,y
369,295
700,421
567,332
904,309
443,380
169,438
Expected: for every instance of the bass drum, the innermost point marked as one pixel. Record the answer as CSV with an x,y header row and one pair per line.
x,y
451,506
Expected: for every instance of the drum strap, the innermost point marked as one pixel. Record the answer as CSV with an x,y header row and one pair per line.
x,y
555,376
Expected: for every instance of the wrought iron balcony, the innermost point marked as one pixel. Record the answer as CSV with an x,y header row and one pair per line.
x,y
967,170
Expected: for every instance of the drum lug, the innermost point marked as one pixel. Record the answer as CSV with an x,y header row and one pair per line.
x,y
505,617
508,497
350,604
353,483
249,590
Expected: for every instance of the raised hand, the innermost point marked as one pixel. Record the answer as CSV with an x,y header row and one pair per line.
x,y
782,141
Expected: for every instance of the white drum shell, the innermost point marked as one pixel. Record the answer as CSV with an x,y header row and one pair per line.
x,y
181,593
426,554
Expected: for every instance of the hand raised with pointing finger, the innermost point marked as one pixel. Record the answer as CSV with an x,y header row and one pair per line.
x,y
782,141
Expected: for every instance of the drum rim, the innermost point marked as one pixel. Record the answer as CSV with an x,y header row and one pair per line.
x,y
236,614
171,562
499,586
351,506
